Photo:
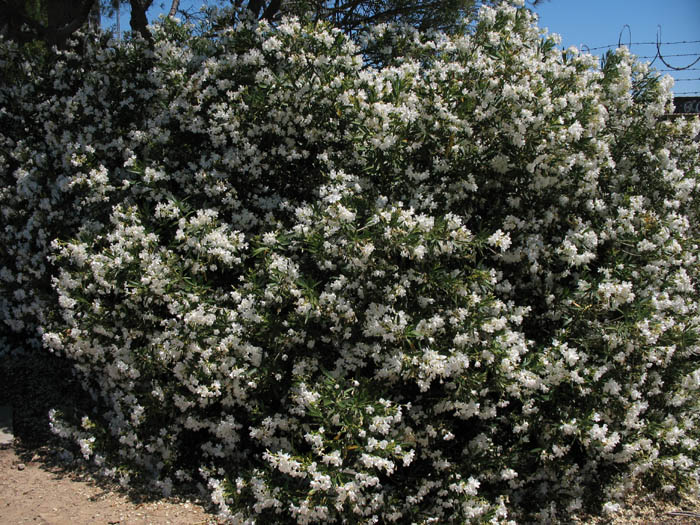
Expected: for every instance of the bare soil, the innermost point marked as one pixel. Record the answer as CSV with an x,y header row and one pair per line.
x,y
39,486
647,510
36,490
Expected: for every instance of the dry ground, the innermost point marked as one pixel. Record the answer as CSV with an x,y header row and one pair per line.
x,y
38,491
39,486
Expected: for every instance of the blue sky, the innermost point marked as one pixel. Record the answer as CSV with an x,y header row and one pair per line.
x,y
592,24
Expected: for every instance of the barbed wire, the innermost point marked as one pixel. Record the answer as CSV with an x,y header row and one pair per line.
x,y
659,55
676,55
689,69
629,44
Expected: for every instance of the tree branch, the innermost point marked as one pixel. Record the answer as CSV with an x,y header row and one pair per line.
x,y
271,10
63,32
173,8
254,6
139,21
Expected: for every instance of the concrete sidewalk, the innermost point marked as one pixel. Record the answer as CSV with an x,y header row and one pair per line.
x,y
6,435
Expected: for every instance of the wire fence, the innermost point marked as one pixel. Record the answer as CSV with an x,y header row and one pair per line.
x,y
681,63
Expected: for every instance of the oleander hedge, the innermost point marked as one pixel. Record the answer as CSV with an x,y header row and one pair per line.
x,y
455,283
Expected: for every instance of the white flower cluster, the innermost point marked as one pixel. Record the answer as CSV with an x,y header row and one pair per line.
x,y
459,286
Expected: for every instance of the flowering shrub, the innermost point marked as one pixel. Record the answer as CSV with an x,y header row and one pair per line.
x,y
454,287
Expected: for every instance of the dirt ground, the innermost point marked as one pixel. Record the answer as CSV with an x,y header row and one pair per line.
x,y
34,489
38,486
645,510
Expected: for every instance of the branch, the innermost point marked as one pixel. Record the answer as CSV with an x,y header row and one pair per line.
x,y
61,33
139,21
684,513
254,6
271,10
173,8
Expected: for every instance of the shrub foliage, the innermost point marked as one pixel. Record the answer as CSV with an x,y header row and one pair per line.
x,y
451,284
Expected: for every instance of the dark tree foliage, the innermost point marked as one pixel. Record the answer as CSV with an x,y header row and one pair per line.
x,y
50,21
53,21
352,15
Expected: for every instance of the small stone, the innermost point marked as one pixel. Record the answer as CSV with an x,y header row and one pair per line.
x,y
21,466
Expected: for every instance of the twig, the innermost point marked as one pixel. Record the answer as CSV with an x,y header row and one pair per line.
x,y
684,513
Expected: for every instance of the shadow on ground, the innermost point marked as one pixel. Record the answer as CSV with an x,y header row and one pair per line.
x,y
33,383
